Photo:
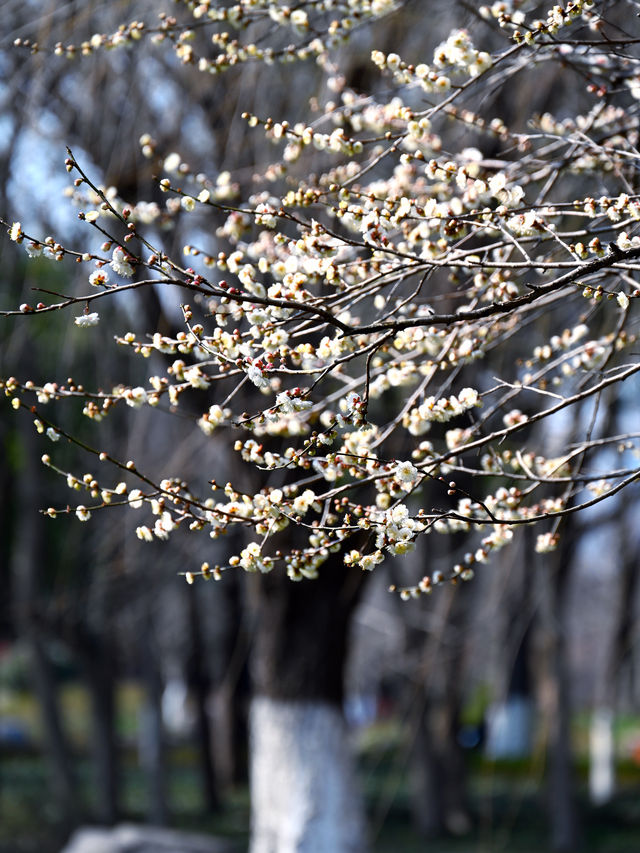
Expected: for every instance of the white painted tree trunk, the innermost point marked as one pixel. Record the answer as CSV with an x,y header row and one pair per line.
x,y
304,797
601,757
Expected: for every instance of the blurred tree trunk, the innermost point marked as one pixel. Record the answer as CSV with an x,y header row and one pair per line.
x,y
602,752
96,660
153,748
553,575
510,730
28,555
232,693
304,795
427,801
200,684
438,792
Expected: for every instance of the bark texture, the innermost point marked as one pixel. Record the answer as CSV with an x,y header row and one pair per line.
x,y
563,816
304,795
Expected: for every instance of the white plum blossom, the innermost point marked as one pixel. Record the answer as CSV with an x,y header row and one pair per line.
x,y
368,562
397,530
135,397
136,498
514,418
85,320
16,233
456,438
121,263
164,525
333,308
172,162
406,474
256,375
99,278
546,542
194,376
303,502
33,249
418,420
213,418
144,533
265,215
623,300
288,402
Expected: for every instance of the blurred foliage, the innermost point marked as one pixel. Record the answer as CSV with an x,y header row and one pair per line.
x,y
507,797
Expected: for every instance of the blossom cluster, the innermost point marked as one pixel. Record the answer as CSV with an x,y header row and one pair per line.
x,y
419,419
379,284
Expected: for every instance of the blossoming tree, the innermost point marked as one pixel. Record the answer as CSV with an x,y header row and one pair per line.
x,y
395,325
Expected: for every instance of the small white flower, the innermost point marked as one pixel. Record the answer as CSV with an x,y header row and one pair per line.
x,y
87,319
469,397
34,250
367,563
302,503
351,402
172,162
546,542
400,548
144,533
195,378
163,526
52,434
120,263
135,498
399,514
257,377
514,417
406,474
98,278
83,513
623,300
299,19
16,233
265,216
188,203
135,397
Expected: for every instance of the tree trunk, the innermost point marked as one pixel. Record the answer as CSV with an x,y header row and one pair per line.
x,y
427,800
27,557
439,790
231,697
153,749
96,659
63,779
553,576
304,795
601,756
200,684
602,742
